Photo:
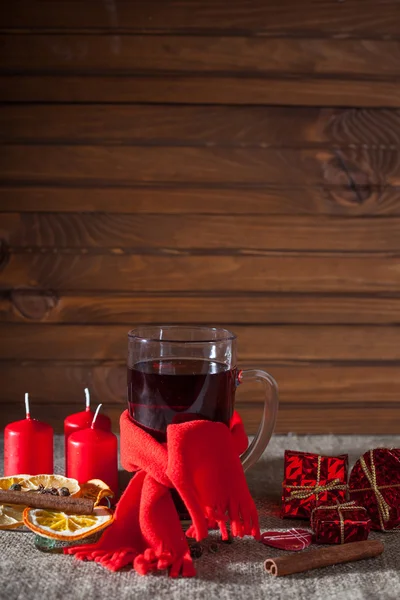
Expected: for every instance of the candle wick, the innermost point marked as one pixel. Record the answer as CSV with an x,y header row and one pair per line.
x,y
27,411
95,415
87,395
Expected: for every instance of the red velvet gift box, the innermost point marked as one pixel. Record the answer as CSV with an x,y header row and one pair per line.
x,y
340,524
375,483
310,480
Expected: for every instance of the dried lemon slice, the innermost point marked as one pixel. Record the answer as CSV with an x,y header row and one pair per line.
x,y
60,526
11,516
52,481
7,482
96,490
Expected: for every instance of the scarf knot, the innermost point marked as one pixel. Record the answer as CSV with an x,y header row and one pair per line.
x,y
200,460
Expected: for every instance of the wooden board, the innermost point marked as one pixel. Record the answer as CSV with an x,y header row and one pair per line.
x,y
259,55
191,232
185,89
199,125
319,385
267,343
24,305
303,420
188,199
201,165
310,18
337,420
187,161
172,272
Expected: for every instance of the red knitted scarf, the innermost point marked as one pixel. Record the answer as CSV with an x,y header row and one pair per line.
x,y
201,461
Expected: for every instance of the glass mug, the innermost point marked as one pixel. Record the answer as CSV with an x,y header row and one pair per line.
x,y
182,373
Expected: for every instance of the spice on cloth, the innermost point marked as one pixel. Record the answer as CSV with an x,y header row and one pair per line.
x,y
323,557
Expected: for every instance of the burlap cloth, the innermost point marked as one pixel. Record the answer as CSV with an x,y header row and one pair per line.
x,y
235,572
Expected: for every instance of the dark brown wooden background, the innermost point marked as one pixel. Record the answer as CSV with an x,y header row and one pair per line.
x,y
203,161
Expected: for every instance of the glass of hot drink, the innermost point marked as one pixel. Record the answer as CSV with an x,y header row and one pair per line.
x,y
182,373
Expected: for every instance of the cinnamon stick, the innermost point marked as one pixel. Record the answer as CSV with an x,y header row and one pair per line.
x,y
323,557
66,504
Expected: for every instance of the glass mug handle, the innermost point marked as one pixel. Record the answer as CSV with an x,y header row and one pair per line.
x,y
270,410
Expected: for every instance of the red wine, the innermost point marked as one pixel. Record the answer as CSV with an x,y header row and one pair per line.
x,y
166,391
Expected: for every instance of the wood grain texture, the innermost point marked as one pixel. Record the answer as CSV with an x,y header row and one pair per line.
x,y
244,16
266,343
317,385
174,272
338,420
201,161
185,89
26,305
304,419
191,232
199,125
191,199
111,164
196,54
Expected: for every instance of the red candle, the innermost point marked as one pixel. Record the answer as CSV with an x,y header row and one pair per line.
x,y
93,454
82,420
28,446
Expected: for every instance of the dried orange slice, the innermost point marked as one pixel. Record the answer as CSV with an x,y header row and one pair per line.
x,y
11,516
49,481
7,482
96,490
59,526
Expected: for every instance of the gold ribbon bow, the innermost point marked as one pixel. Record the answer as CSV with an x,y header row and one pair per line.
x,y
383,506
340,508
306,491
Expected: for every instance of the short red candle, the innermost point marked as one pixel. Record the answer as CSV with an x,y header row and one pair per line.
x,y
93,454
28,446
82,420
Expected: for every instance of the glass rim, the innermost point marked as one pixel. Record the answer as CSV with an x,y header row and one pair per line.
x,y
224,335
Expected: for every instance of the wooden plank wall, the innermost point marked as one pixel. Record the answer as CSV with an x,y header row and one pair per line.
x,y
203,161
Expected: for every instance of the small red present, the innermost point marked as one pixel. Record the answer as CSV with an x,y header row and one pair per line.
x,y
375,483
340,524
310,480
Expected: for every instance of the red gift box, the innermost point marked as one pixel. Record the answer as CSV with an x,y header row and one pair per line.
x,y
310,480
340,524
375,483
